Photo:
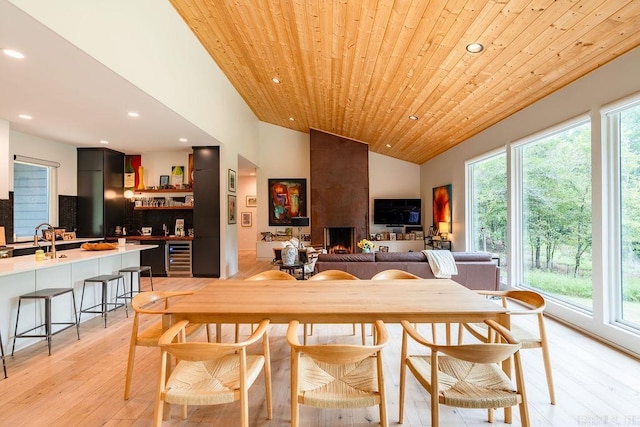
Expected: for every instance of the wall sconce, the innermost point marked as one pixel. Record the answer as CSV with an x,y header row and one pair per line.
x,y
443,229
128,194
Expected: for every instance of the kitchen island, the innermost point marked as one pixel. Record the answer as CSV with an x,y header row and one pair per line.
x,y
23,274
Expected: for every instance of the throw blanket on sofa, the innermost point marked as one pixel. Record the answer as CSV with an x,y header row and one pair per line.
x,y
442,263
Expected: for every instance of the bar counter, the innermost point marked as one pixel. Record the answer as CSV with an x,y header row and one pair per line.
x,y
23,274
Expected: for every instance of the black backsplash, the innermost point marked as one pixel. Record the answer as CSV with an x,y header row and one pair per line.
x,y
67,210
6,216
135,220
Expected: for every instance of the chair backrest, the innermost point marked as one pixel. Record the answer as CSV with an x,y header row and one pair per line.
x,y
141,302
271,275
333,275
337,354
532,300
394,274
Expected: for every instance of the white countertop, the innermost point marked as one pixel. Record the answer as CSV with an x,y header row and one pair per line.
x,y
25,263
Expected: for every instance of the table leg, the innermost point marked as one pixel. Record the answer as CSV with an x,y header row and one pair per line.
x,y
505,320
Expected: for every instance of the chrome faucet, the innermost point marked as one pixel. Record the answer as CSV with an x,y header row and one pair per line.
x,y
52,234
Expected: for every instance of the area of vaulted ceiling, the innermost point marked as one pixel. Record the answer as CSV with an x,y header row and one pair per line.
x,y
360,68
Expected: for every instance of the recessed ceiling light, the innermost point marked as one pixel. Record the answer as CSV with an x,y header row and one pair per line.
x,y
133,114
291,119
388,145
475,48
183,140
25,116
104,141
13,53
276,80
412,117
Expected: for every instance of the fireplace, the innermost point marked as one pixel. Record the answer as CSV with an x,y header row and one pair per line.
x,y
339,240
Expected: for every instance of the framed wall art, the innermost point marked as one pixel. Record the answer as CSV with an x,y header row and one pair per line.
x,y
231,208
245,219
231,180
442,207
252,201
287,199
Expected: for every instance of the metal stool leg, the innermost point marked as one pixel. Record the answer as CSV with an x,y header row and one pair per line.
x,y
75,313
47,322
13,347
4,364
104,301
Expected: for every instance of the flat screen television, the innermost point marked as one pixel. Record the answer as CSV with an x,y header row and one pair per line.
x,y
397,211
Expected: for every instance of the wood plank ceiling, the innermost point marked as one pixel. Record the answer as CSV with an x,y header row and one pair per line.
x,y
359,69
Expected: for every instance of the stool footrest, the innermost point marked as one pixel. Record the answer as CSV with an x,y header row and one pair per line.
x,y
26,333
108,304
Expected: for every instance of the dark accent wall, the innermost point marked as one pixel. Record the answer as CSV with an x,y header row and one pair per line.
x,y
339,185
6,216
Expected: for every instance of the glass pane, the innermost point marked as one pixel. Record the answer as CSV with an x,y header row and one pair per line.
x,y
629,219
30,198
489,208
556,215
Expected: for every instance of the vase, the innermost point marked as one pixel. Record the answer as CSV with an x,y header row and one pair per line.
x,y
289,254
366,250
141,178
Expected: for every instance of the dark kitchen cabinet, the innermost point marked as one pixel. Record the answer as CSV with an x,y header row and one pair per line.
x,y
100,192
206,212
154,257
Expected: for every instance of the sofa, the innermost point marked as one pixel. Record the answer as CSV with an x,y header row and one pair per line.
x,y
476,270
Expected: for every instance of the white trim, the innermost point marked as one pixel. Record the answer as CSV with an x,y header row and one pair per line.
x,y
34,161
621,104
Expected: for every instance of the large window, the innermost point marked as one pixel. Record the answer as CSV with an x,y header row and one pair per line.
x,y
624,132
554,211
487,185
33,198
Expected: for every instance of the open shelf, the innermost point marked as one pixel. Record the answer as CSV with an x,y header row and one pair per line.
x,y
162,208
166,190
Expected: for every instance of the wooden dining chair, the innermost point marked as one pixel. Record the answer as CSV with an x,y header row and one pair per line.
x,y
337,375
394,274
465,376
150,306
265,275
211,373
520,303
334,275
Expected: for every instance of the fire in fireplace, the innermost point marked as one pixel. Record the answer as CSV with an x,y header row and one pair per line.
x,y
339,240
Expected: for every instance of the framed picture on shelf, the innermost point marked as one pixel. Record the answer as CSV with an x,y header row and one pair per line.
x,y
231,180
177,176
164,181
245,219
252,201
231,209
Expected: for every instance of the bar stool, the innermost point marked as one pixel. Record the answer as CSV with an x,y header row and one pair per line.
x,y
47,295
104,305
137,270
4,364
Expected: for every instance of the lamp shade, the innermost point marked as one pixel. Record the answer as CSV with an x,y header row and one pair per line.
x,y
443,227
300,221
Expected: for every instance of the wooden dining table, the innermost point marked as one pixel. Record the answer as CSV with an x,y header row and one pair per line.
x,y
338,301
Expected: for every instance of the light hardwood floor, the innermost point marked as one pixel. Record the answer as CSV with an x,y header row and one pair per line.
x,y
81,383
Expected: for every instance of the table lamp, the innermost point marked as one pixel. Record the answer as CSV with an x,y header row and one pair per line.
x,y
300,221
443,229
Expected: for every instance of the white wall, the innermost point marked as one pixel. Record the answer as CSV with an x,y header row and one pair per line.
x,y
284,153
247,236
158,163
391,178
6,173
44,149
